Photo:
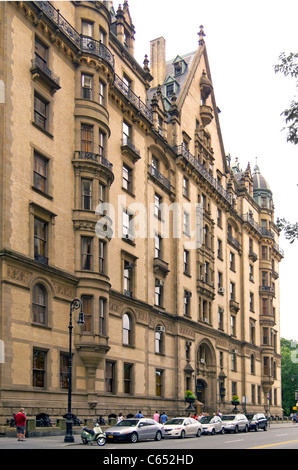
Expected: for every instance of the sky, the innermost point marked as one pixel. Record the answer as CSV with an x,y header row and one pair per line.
x,y
244,40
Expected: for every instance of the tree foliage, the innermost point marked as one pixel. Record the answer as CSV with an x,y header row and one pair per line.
x,y
289,374
288,65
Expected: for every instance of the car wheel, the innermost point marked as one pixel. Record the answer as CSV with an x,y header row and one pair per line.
x,y
182,435
134,438
222,430
158,436
101,441
212,432
199,433
236,429
257,427
265,427
246,429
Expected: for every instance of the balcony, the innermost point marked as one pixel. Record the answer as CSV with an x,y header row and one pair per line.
x,y
233,241
81,44
253,256
133,98
160,267
234,306
267,290
41,259
128,148
183,152
206,114
159,178
96,161
39,70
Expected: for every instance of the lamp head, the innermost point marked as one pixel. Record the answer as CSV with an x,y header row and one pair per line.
x,y
81,318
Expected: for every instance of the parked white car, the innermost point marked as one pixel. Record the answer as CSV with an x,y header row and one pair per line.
x,y
182,427
235,423
212,425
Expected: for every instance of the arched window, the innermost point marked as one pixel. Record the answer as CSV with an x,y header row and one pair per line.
x,y
126,329
39,304
159,339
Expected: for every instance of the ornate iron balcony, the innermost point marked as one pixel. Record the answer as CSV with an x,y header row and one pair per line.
x,y
95,157
133,98
40,67
159,177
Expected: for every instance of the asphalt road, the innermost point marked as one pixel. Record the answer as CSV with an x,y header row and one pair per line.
x,y
278,436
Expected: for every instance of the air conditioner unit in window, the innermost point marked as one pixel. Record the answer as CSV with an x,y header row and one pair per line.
x,y
221,290
202,361
160,328
159,283
206,320
129,236
203,278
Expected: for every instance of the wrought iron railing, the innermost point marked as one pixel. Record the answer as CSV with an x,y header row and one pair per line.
x,y
159,177
38,63
83,43
133,98
95,157
183,151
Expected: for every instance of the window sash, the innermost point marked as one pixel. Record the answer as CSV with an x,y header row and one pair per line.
x,y
86,253
40,173
40,237
41,112
39,368
86,138
86,193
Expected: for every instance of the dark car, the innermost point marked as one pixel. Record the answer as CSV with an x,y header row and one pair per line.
x,y
257,421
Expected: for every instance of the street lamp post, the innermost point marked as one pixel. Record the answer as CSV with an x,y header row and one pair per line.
x,y
75,304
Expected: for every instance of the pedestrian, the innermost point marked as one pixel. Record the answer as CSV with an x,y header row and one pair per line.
x,y
120,418
294,418
163,418
139,415
156,416
20,418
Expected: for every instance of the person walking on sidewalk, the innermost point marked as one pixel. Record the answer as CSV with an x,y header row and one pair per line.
x,y
20,418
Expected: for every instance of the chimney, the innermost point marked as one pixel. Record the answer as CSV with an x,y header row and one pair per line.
x,y
158,61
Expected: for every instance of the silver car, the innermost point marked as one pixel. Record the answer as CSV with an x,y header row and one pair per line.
x,y
235,423
134,430
212,425
182,427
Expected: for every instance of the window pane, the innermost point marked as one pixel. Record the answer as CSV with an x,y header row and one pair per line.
x,y
40,173
39,304
86,253
87,309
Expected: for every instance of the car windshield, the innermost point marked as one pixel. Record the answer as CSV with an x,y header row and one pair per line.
x,y
206,419
128,422
175,421
227,418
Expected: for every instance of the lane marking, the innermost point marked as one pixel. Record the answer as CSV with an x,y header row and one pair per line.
x,y
234,440
272,445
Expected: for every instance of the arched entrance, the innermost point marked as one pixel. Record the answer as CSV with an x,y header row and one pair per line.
x,y
206,376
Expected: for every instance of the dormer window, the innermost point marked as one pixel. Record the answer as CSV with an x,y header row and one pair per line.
x,y
170,90
178,68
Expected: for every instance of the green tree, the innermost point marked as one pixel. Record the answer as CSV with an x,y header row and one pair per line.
x,y
289,371
288,66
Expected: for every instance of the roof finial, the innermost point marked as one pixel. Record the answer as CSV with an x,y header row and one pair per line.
x,y
256,168
201,35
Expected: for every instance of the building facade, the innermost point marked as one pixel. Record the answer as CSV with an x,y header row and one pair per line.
x,y
116,190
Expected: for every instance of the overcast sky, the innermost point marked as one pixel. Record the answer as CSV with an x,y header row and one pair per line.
x,y
244,40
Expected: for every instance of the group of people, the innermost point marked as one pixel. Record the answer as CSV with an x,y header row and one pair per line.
x,y
159,418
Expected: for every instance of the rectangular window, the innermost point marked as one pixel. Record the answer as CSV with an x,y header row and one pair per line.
x,y
110,377
185,187
39,368
126,133
128,229
102,316
157,246
158,292
251,302
101,94
187,297
87,85
233,325
157,206
128,279
101,143
220,318
86,250
159,382
232,291
41,52
127,378
86,138
87,309
41,111
40,176
186,224
101,193
232,261
40,240
186,263
64,364
219,248
102,254
127,178
87,29
86,191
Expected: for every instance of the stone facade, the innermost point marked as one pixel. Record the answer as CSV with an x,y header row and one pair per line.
x,y
177,272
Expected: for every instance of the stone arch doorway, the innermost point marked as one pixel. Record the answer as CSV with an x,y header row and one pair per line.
x,y
206,375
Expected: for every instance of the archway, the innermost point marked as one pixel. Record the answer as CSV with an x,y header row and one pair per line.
x,y
206,379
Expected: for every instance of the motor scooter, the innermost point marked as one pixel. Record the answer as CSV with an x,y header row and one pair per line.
x,y
93,435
